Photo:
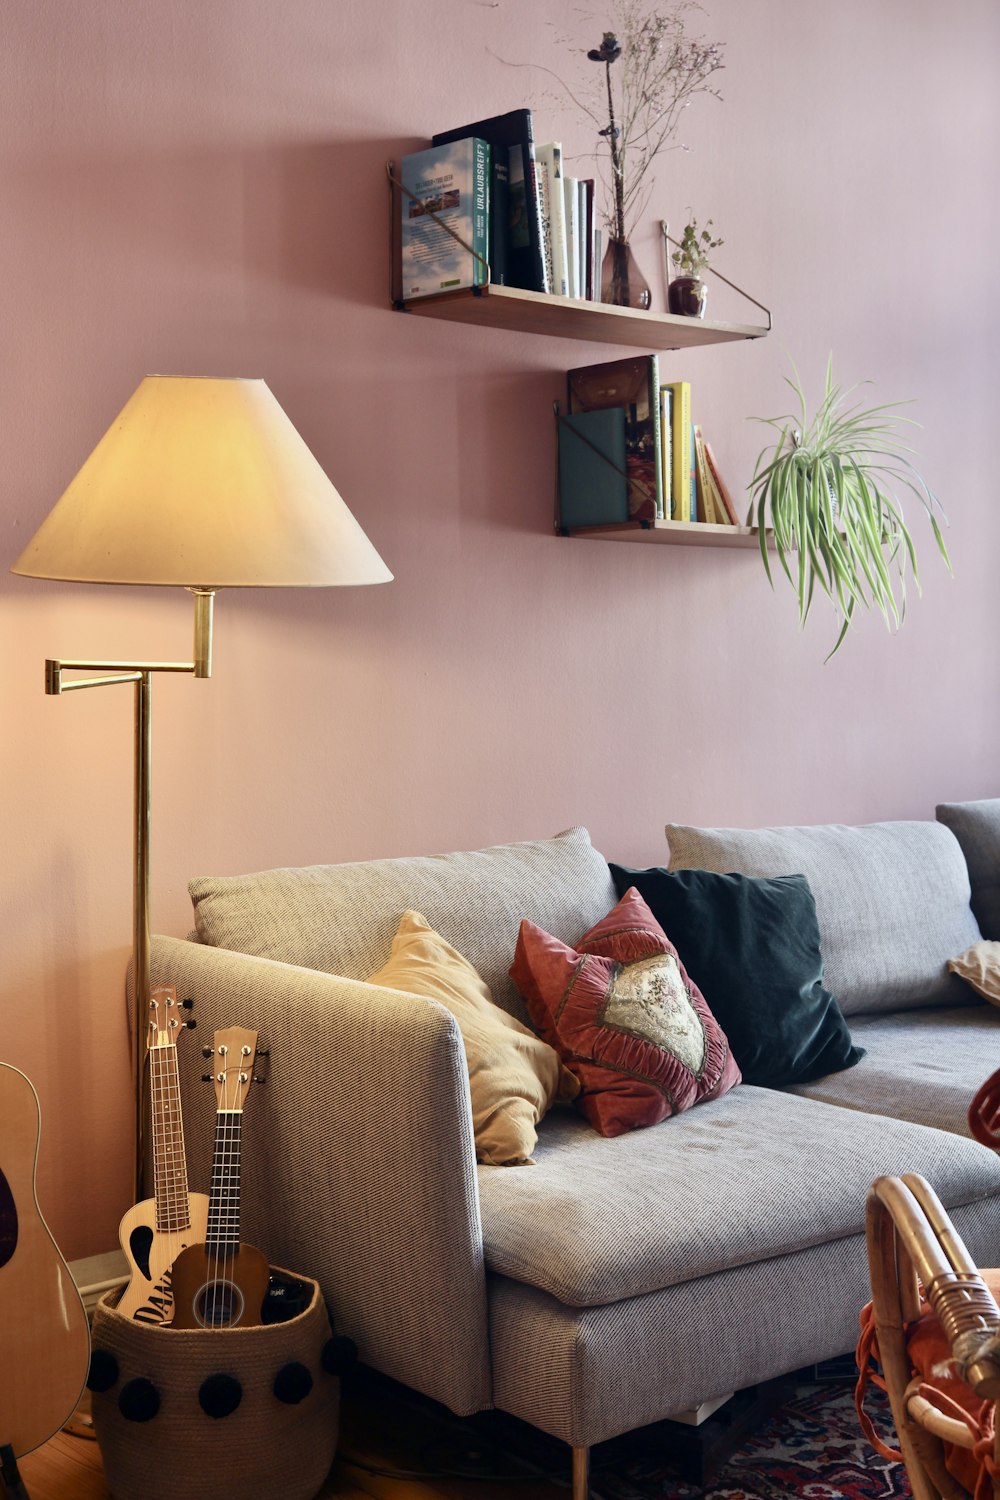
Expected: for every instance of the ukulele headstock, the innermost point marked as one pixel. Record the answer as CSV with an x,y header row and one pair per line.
x,y
232,1065
165,1018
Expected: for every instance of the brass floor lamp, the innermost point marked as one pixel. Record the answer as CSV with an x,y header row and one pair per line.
x,y
202,484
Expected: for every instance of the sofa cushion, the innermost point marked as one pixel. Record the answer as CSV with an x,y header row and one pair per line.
x,y
514,1077
751,945
919,1065
892,900
753,1175
342,918
976,825
622,1013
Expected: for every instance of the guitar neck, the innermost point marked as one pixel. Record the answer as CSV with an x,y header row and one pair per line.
x,y
170,1179
223,1236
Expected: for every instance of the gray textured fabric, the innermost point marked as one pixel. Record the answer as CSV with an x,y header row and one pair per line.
x,y
358,1165
753,1175
921,1065
342,918
976,825
587,1375
892,901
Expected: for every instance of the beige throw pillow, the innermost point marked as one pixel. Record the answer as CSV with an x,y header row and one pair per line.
x,y
513,1075
980,967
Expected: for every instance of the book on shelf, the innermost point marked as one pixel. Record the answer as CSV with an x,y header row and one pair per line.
x,y
585,190
682,471
634,385
703,488
549,161
667,451
514,133
720,488
444,217
593,479
572,204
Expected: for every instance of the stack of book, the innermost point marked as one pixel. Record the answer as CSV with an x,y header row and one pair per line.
x,y
484,204
629,451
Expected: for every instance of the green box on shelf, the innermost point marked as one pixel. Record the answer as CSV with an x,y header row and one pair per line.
x,y
593,485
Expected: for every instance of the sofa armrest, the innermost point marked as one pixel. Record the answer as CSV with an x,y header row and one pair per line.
x,y
358,1156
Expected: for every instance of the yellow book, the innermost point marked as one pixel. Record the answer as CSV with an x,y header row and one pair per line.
x,y
706,504
682,486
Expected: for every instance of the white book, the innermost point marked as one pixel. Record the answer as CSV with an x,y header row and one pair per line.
x,y
581,239
548,159
572,235
598,260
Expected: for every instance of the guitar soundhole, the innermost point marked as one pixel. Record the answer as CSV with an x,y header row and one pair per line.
x,y
8,1221
219,1304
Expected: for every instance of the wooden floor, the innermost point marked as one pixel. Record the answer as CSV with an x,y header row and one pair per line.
x,y
378,1431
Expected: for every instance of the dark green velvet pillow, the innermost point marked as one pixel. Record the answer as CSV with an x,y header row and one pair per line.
x,y
751,945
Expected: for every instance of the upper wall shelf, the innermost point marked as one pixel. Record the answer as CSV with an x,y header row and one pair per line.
x,y
566,317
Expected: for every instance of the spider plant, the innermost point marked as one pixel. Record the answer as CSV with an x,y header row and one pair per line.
x,y
828,491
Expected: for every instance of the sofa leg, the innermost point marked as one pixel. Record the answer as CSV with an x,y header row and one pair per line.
x,y
581,1473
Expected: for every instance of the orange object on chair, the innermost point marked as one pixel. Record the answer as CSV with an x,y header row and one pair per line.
x,y
933,1326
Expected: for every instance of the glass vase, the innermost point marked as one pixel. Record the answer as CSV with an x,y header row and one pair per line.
x,y
622,283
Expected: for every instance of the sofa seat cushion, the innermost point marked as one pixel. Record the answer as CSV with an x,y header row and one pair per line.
x,y
342,918
753,1175
920,1065
892,900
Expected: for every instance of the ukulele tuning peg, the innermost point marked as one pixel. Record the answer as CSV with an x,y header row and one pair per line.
x,y
207,1051
206,1078
263,1052
190,1025
187,1005
257,1078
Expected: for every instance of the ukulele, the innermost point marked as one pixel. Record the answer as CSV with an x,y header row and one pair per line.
x,y
154,1232
223,1283
44,1330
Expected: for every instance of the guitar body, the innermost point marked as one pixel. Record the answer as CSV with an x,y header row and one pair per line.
x,y
151,1255
213,1291
44,1330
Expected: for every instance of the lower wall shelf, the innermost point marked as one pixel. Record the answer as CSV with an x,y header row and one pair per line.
x,y
672,533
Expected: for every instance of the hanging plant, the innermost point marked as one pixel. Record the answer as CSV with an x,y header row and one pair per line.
x,y
827,489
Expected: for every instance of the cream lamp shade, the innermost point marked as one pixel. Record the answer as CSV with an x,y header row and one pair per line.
x,y
202,483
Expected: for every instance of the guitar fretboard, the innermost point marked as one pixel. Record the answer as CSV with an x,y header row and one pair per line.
x,y
223,1236
170,1179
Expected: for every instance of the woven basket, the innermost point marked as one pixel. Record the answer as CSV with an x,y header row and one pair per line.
x,y
157,1440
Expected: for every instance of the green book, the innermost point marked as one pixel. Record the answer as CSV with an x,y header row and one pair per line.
x,y
593,478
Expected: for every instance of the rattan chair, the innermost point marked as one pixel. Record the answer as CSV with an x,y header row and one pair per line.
x,y
917,1260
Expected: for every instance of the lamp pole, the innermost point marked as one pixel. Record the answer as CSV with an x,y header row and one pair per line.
x,y
140,674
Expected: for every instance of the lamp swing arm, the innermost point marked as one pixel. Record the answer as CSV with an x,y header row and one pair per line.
x,y
112,672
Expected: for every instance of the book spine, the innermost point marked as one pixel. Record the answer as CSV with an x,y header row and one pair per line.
x,y
720,485
481,212
681,393
572,235
667,451
499,214
549,160
589,244
545,212
533,207
654,411
706,509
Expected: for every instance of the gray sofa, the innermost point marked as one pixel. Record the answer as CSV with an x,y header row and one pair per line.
x,y
616,1281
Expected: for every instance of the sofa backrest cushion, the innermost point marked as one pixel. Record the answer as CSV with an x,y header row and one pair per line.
x,y
342,918
976,825
892,900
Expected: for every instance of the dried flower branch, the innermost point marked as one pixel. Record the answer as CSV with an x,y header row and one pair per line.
x,y
660,69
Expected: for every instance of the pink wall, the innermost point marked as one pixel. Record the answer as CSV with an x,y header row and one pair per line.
x,y
199,189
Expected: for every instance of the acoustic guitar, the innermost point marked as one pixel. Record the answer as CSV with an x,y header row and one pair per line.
x,y
154,1232
44,1331
223,1283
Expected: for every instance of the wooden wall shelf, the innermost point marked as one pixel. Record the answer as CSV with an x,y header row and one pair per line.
x,y
568,318
672,533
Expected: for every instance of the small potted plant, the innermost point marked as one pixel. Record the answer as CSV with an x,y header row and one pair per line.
x,y
827,494
687,294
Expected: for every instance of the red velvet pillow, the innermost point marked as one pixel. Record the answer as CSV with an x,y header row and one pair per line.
x,y
625,1018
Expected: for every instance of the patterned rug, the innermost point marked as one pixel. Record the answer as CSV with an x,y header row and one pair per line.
x,y
811,1447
